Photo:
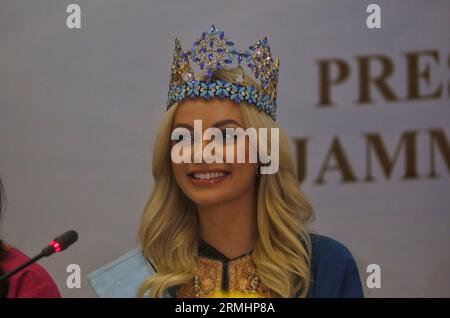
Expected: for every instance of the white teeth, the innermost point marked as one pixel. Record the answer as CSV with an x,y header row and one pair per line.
x,y
208,175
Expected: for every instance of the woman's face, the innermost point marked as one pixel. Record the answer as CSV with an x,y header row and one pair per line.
x,y
213,183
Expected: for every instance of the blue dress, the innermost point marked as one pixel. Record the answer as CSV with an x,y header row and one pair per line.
x,y
334,273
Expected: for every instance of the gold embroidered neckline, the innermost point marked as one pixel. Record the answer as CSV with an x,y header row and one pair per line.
x,y
217,273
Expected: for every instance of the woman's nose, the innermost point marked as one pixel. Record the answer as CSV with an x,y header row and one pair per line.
x,y
208,151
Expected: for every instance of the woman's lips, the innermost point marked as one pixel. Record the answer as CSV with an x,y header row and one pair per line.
x,y
208,178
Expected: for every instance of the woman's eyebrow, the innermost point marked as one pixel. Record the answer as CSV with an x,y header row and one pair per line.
x,y
180,125
226,122
217,124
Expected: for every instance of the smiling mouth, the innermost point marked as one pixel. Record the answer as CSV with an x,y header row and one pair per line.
x,y
208,178
208,175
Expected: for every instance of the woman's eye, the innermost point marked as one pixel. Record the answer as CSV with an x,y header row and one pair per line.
x,y
228,135
184,138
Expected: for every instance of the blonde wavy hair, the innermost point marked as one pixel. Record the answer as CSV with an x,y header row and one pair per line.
x,y
169,226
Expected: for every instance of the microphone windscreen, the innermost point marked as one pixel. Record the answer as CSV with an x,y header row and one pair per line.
x,y
66,239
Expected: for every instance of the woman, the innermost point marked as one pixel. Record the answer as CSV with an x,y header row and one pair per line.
x,y
31,282
226,229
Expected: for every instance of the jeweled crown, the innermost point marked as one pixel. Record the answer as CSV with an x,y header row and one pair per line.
x,y
212,51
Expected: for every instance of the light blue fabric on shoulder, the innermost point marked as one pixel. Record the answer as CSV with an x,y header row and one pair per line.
x,y
122,277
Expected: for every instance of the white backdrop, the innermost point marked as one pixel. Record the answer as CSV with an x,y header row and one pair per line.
x,y
80,108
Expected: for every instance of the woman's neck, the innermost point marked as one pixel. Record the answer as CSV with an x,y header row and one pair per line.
x,y
230,227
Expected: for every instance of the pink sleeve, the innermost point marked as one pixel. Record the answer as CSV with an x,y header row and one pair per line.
x,y
33,282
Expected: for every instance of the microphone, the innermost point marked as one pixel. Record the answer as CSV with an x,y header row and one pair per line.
x,y
59,244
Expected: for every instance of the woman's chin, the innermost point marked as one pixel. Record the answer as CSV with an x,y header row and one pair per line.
x,y
209,198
